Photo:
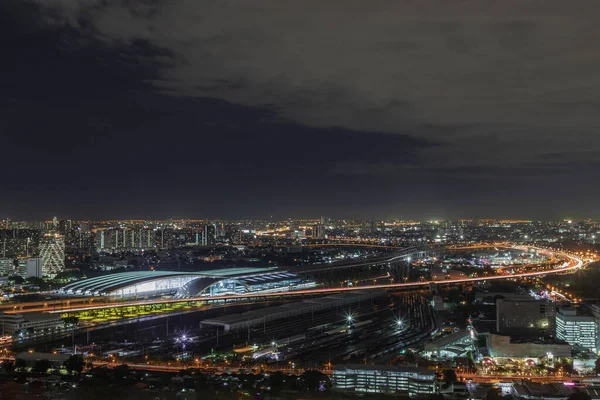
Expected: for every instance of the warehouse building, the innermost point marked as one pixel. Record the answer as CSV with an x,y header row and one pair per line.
x,y
269,314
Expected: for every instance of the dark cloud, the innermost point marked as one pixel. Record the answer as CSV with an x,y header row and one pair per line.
x,y
301,102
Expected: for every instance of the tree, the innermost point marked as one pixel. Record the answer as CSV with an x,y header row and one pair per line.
x,y
277,381
75,363
20,364
435,396
121,371
69,321
597,367
34,280
16,279
449,376
314,381
494,394
8,365
579,396
41,366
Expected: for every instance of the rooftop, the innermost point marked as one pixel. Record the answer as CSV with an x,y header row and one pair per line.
x,y
111,282
449,339
386,368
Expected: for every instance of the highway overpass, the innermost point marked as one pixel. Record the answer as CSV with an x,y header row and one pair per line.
x,y
87,304
572,263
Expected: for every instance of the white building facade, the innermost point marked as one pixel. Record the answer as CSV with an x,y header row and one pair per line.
x,y
577,330
13,324
384,379
35,267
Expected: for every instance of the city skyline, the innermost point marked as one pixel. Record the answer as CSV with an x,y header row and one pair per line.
x,y
116,111
282,199
320,219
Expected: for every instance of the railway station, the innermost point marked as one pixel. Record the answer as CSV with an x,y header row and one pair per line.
x,y
188,284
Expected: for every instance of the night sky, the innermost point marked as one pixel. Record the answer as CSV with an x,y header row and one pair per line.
x,y
248,109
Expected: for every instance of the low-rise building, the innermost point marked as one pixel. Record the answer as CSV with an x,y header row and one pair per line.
x,y
384,379
13,324
540,391
56,360
456,344
500,346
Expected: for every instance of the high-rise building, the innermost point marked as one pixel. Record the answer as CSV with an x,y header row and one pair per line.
x,y
146,238
19,242
21,267
120,239
100,243
35,267
577,330
525,317
7,266
373,226
319,231
207,235
52,252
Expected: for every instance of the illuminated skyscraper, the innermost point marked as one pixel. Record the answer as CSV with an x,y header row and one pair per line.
x,y
207,236
52,252
319,231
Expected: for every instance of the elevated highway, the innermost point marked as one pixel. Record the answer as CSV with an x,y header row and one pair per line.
x,y
572,263
99,303
402,254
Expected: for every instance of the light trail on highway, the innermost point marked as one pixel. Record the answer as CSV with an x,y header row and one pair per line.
x,y
573,264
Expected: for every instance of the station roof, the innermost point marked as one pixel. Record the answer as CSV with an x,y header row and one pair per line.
x,y
258,279
111,282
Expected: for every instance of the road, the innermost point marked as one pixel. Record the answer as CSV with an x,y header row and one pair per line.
x,y
572,264
475,378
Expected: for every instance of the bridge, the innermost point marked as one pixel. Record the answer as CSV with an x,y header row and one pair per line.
x,y
401,255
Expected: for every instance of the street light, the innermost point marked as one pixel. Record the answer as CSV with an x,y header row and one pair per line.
x,y
349,318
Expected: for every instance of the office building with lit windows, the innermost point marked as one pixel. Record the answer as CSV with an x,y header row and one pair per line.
x,y
7,266
525,317
319,231
577,330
